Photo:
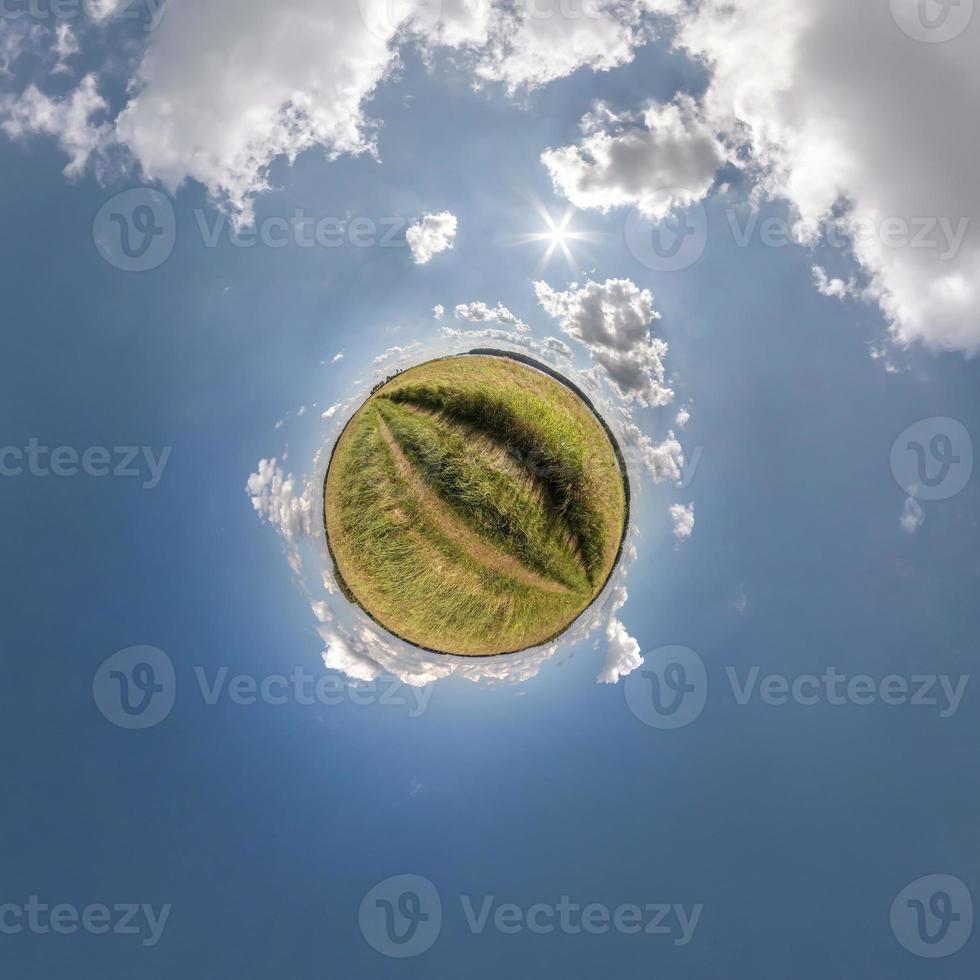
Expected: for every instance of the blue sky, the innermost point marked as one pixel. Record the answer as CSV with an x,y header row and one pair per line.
x,y
794,823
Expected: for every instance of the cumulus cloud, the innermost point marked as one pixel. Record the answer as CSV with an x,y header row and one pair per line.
x,y
913,516
859,127
682,520
285,503
331,411
340,653
433,234
622,654
279,499
490,333
663,461
683,417
612,321
100,10
558,346
481,313
825,103
226,87
663,159
65,46
438,311
17,38
71,120
533,43
395,351
836,288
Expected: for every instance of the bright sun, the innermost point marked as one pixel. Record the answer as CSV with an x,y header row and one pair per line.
x,y
557,235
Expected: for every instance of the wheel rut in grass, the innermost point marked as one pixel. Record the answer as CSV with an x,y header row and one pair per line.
x,y
449,524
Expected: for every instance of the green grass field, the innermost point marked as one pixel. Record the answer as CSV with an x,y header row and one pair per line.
x,y
474,505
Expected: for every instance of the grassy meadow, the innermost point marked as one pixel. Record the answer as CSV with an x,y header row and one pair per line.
x,y
474,505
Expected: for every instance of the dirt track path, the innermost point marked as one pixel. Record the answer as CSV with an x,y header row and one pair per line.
x,y
442,516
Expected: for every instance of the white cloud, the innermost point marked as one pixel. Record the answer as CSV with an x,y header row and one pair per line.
x,y
862,127
664,159
481,313
539,41
70,120
663,461
490,333
622,655
612,321
386,354
682,520
827,103
835,288
18,37
289,507
433,234
331,411
100,10
65,46
225,87
683,417
339,654
339,356
558,346
438,311
913,516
